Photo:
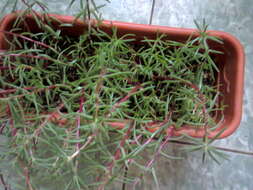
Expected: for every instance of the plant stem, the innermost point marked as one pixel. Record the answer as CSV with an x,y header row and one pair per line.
x,y
27,176
116,156
6,187
49,117
88,9
89,140
28,39
26,56
29,93
8,91
125,176
152,12
124,99
78,120
6,68
3,125
216,147
161,146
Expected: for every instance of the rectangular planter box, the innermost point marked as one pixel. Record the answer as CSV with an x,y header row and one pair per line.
x,y
230,63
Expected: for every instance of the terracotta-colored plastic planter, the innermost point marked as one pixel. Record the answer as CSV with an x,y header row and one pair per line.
x,y
231,64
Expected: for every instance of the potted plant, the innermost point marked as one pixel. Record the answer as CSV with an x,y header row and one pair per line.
x,y
81,99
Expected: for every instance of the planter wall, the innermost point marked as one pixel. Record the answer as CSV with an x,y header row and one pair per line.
x,y
231,63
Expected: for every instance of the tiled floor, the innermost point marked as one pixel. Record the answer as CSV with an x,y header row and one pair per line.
x,y
234,16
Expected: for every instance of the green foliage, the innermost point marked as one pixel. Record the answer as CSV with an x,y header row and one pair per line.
x,y
60,93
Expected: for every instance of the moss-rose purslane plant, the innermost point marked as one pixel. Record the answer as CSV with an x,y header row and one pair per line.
x,y
80,100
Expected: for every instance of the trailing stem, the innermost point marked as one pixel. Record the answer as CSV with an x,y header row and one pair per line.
x,y
78,120
4,184
49,118
116,157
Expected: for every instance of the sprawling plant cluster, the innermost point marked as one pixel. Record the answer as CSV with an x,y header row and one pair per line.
x,y
78,109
